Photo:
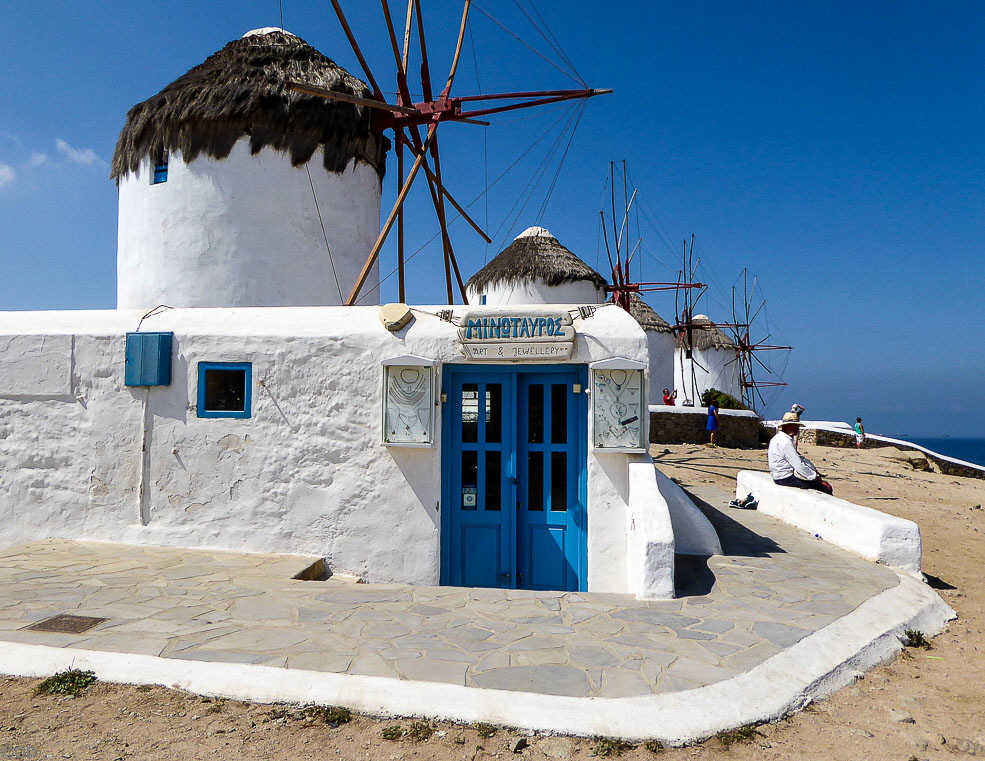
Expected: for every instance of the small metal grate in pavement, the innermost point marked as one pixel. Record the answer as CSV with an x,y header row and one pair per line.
x,y
66,624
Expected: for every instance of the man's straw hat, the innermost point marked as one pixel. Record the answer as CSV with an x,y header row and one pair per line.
x,y
790,418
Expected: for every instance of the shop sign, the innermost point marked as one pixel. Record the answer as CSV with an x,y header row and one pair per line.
x,y
516,338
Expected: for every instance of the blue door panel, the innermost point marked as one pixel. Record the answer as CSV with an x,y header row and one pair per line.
x,y
549,567
551,453
514,459
476,483
481,546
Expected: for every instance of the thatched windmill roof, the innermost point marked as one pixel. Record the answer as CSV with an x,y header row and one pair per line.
x,y
240,91
708,337
534,255
647,318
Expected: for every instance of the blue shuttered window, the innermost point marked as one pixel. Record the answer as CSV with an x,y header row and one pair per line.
x,y
225,389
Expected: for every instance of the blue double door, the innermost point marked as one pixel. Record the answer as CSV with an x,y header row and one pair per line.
x,y
514,477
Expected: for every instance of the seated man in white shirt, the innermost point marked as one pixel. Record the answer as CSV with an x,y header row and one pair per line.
x,y
787,467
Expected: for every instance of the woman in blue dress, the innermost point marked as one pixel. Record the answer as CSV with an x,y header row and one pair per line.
x,y
712,425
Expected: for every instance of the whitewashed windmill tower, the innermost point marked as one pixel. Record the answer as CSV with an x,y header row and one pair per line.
x,y
705,359
237,191
536,269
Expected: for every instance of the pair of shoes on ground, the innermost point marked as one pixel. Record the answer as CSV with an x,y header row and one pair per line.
x,y
748,502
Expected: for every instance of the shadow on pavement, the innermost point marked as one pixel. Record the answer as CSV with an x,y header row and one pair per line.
x,y
736,538
692,576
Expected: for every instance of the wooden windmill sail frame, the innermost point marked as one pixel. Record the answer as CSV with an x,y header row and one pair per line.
x,y
622,286
406,118
688,291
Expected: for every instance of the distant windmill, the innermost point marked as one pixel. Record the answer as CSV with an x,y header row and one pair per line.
x,y
695,331
748,365
703,350
406,118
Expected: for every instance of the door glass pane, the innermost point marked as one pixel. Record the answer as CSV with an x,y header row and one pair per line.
x,y
559,413
535,413
494,413
559,481
470,479
470,412
493,480
535,480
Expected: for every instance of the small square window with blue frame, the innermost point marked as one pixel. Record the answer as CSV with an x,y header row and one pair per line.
x,y
160,172
225,389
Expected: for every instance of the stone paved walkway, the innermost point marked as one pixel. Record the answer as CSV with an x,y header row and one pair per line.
x,y
774,586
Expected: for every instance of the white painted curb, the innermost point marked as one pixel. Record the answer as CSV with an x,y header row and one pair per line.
x,y
816,666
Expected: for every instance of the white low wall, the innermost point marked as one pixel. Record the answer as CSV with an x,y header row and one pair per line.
x,y
693,532
650,535
661,521
870,533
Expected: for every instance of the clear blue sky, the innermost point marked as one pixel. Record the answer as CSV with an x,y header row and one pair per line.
x,y
836,150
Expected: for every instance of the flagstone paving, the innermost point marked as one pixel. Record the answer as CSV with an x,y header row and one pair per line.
x,y
774,586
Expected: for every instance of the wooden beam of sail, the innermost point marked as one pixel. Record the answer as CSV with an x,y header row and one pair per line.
x,y
377,92
407,26
458,207
436,198
321,92
375,251
439,197
458,49
403,97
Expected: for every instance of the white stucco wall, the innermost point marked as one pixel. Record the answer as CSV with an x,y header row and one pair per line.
x,y
306,473
708,368
529,292
244,231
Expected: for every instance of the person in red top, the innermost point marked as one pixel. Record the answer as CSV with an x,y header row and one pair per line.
x,y
669,397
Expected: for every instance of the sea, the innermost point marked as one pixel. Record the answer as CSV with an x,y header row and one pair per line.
x,y
969,450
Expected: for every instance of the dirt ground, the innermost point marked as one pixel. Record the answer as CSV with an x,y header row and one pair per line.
x,y
927,704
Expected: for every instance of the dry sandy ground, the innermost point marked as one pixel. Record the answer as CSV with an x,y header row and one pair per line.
x,y
925,705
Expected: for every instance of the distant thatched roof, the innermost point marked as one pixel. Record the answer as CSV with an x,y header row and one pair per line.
x,y
643,314
240,91
534,255
708,337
